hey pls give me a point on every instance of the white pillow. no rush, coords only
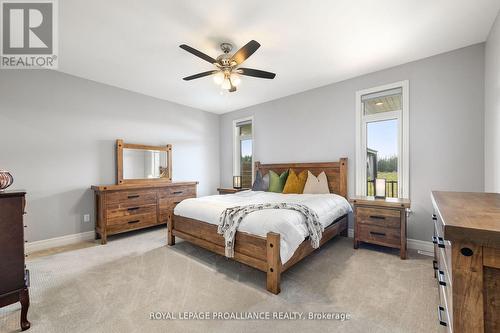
(316, 185)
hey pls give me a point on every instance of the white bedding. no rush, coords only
(288, 223)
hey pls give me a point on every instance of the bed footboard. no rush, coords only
(255, 251)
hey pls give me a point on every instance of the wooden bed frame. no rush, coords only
(259, 252)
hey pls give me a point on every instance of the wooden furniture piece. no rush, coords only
(263, 253)
(381, 222)
(14, 277)
(467, 260)
(137, 202)
(143, 164)
(230, 190)
(122, 208)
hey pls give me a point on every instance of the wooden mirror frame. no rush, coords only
(120, 145)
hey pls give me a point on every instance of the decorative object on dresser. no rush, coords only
(223, 190)
(381, 222)
(14, 277)
(144, 196)
(263, 253)
(467, 260)
(6, 179)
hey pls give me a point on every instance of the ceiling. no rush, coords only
(135, 44)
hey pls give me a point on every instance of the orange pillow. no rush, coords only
(295, 183)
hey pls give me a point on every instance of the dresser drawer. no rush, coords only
(166, 215)
(124, 213)
(443, 313)
(178, 191)
(167, 207)
(131, 222)
(442, 247)
(170, 197)
(389, 218)
(126, 199)
(379, 235)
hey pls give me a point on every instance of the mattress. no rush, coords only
(288, 223)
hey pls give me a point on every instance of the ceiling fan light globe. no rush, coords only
(219, 78)
(235, 79)
(226, 84)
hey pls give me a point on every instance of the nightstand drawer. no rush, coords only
(388, 218)
(379, 235)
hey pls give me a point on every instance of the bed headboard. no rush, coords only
(336, 172)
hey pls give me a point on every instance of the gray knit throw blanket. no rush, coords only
(231, 218)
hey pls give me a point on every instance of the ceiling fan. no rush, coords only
(228, 70)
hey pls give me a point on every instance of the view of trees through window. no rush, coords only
(382, 155)
(246, 154)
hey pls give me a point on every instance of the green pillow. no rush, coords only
(277, 182)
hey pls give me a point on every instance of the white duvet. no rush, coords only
(288, 223)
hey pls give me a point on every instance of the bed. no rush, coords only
(263, 240)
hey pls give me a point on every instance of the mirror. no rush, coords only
(141, 163)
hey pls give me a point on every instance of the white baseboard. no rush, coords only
(423, 247)
(58, 241)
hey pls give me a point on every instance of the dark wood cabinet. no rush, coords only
(14, 276)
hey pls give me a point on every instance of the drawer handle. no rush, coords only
(434, 265)
(377, 233)
(177, 192)
(133, 196)
(134, 221)
(133, 208)
(440, 316)
(377, 217)
(441, 278)
(439, 241)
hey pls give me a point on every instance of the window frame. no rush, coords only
(237, 146)
(403, 137)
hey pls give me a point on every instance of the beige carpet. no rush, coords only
(113, 288)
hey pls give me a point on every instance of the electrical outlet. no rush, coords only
(86, 218)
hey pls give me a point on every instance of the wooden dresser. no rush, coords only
(380, 221)
(122, 208)
(14, 277)
(467, 260)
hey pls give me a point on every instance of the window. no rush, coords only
(382, 139)
(243, 151)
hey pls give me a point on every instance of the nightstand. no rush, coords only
(231, 190)
(381, 222)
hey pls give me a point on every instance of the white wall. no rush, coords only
(446, 127)
(57, 137)
(492, 110)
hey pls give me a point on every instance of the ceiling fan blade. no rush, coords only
(197, 76)
(256, 73)
(245, 52)
(197, 53)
